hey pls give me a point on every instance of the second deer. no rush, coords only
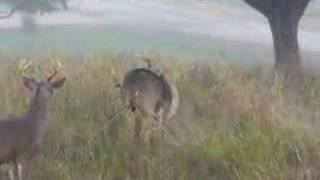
(148, 94)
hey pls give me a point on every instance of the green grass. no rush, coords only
(234, 122)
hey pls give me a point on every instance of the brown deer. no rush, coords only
(19, 135)
(148, 94)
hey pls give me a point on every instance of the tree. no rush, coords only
(32, 6)
(28, 8)
(284, 17)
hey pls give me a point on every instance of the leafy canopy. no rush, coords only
(32, 6)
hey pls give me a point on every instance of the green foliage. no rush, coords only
(34, 6)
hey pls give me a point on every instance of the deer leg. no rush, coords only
(159, 111)
(137, 128)
(161, 124)
(160, 115)
(23, 169)
(13, 172)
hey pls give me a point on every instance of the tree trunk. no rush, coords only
(284, 17)
(284, 30)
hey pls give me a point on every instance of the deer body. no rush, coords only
(19, 135)
(148, 94)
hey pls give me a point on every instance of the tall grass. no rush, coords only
(233, 123)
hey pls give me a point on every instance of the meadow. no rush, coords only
(235, 121)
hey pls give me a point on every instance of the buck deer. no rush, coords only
(19, 135)
(147, 94)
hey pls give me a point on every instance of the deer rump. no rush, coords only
(146, 93)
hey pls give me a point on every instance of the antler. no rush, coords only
(23, 66)
(56, 70)
(53, 75)
(148, 62)
(146, 59)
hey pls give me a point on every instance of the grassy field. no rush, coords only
(234, 122)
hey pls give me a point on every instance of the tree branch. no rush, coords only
(12, 11)
(64, 4)
(302, 4)
(263, 6)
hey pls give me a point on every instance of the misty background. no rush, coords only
(208, 29)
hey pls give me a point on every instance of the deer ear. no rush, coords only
(29, 83)
(58, 83)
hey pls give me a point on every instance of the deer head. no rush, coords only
(45, 87)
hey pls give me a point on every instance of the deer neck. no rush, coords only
(38, 109)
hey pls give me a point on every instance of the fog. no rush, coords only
(234, 21)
